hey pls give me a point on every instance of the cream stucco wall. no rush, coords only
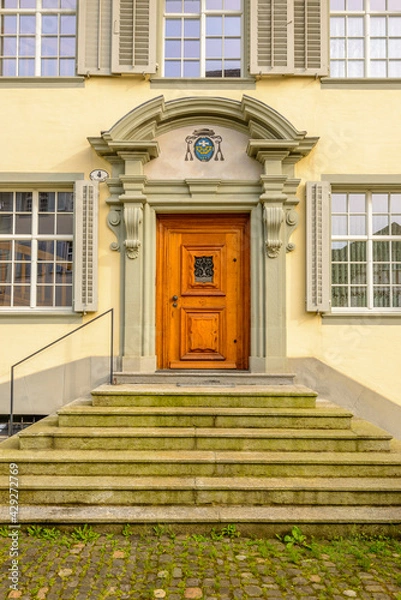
(45, 129)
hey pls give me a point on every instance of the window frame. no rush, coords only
(319, 241)
(202, 15)
(38, 11)
(366, 14)
(84, 237)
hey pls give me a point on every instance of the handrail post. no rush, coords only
(111, 345)
(110, 310)
(11, 421)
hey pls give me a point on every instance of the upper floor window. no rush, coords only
(365, 38)
(203, 38)
(37, 38)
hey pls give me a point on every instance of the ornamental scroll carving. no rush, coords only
(133, 219)
(273, 218)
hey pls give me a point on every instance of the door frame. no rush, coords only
(189, 222)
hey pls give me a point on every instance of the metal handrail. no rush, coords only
(111, 311)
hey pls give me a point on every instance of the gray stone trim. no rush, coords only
(39, 179)
(344, 391)
(42, 82)
(344, 318)
(363, 181)
(206, 83)
(343, 83)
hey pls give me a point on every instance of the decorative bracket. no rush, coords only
(113, 221)
(273, 218)
(133, 219)
(291, 220)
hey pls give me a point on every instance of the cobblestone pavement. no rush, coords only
(82, 565)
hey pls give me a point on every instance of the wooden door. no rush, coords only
(203, 292)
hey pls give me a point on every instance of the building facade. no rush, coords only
(222, 173)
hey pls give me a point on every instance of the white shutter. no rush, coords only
(134, 36)
(318, 246)
(311, 37)
(269, 25)
(94, 37)
(85, 246)
(288, 37)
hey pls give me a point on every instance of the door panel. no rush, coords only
(203, 297)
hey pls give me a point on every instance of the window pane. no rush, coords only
(396, 251)
(380, 225)
(50, 3)
(378, 27)
(379, 202)
(394, 26)
(339, 251)
(381, 297)
(67, 24)
(381, 273)
(214, 48)
(337, 26)
(191, 6)
(47, 201)
(356, 69)
(27, 24)
(357, 203)
(5, 250)
(173, 6)
(22, 295)
(232, 48)
(355, 4)
(337, 5)
(232, 68)
(6, 202)
(339, 273)
(378, 69)
(192, 28)
(381, 251)
(63, 296)
(67, 68)
(214, 68)
(49, 24)
(10, 46)
(358, 251)
(355, 26)
(45, 251)
(358, 273)
(27, 3)
(378, 48)
(339, 296)
(337, 48)
(26, 67)
(357, 225)
(26, 46)
(67, 46)
(65, 202)
(46, 224)
(232, 4)
(394, 6)
(394, 48)
(339, 225)
(23, 224)
(44, 296)
(214, 25)
(173, 27)
(397, 297)
(49, 46)
(172, 69)
(9, 24)
(232, 26)
(337, 68)
(191, 48)
(394, 68)
(355, 48)
(378, 5)
(173, 49)
(214, 4)
(191, 69)
(339, 202)
(358, 296)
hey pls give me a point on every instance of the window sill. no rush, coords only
(42, 82)
(210, 83)
(25, 317)
(362, 318)
(338, 83)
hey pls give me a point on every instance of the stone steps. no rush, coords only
(203, 463)
(206, 490)
(361, 438)
(182, 447)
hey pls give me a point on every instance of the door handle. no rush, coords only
(175, 298)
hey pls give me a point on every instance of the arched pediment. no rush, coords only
(139, 129)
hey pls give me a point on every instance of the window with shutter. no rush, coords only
(288, 37)
(85, 255)
(117, 36)
(353, 249)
